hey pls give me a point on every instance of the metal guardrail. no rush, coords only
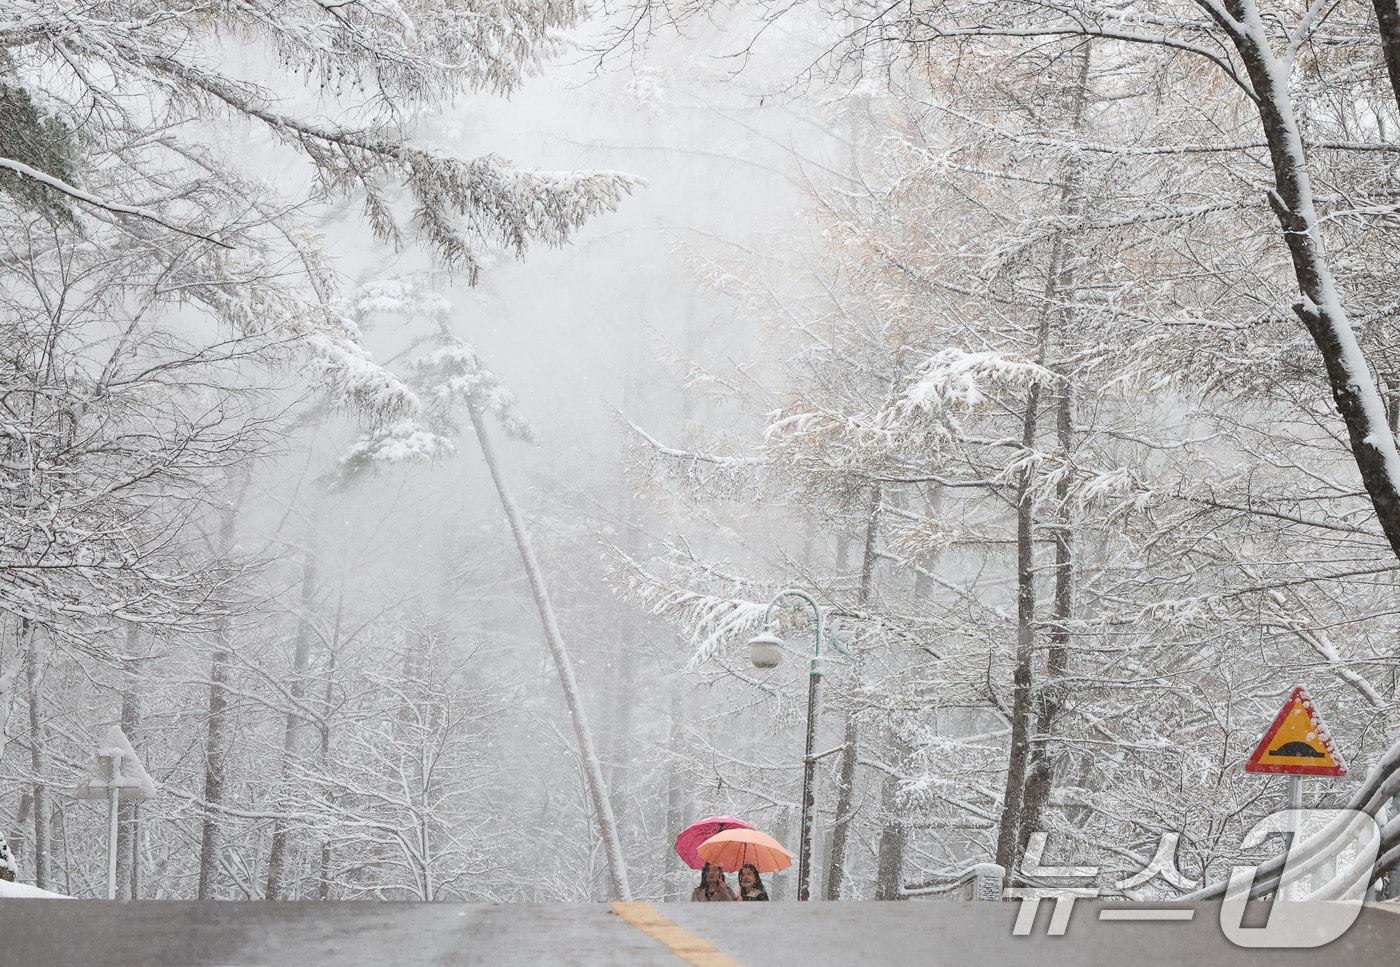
(985, 881)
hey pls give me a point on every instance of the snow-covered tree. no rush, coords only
(451, 377)
(125, 115)
(8, 870)
(401, 803)
(969, 274)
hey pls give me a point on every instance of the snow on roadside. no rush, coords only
(27, 892)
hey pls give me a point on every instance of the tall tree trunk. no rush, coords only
(34, 665)
(1008, 830)
(1050, 695)
(8, 676)
(128, 853)
(218, 724)
(677, 884)
(923, 574)
(1048, 698)
(626, 661)
(894, 836)
(593, 771)
(845, 801)
(19, 839)
(894, 831)
(427, 884)
(846, 784)
(1013, 828)
(216, 740)
(324, 887)
(1388, 22)
(1353, 387)
(294, 724)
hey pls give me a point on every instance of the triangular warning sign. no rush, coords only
(1297, 743)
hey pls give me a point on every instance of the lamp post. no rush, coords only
(765, 650)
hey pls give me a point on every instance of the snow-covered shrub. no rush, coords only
(8, 869)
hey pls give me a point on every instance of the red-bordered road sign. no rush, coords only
(1297, 743)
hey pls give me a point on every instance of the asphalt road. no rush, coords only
(60, 933)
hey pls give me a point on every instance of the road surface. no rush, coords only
(88, 933)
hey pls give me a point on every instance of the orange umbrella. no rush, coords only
(733, 848)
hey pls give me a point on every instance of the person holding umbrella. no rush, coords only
(712, 886)
(748, 851)
(751, 884)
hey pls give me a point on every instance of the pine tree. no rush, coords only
(340, 88)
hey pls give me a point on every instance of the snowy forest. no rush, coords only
(412, 407)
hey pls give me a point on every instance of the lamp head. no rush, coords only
(765, 650)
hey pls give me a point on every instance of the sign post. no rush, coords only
(118, 776)
(113, 791)
(1297, 744)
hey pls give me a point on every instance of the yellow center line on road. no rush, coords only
(686, 946)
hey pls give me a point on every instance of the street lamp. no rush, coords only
(765, 650)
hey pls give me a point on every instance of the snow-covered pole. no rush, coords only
(597, 786)
(1295, 803)
(113, 756)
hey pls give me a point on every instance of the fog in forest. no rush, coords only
(411, 514)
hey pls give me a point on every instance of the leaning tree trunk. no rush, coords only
(593, 771)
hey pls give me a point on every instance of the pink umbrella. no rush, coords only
(690, 838)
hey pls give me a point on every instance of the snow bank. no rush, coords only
(27, 892)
